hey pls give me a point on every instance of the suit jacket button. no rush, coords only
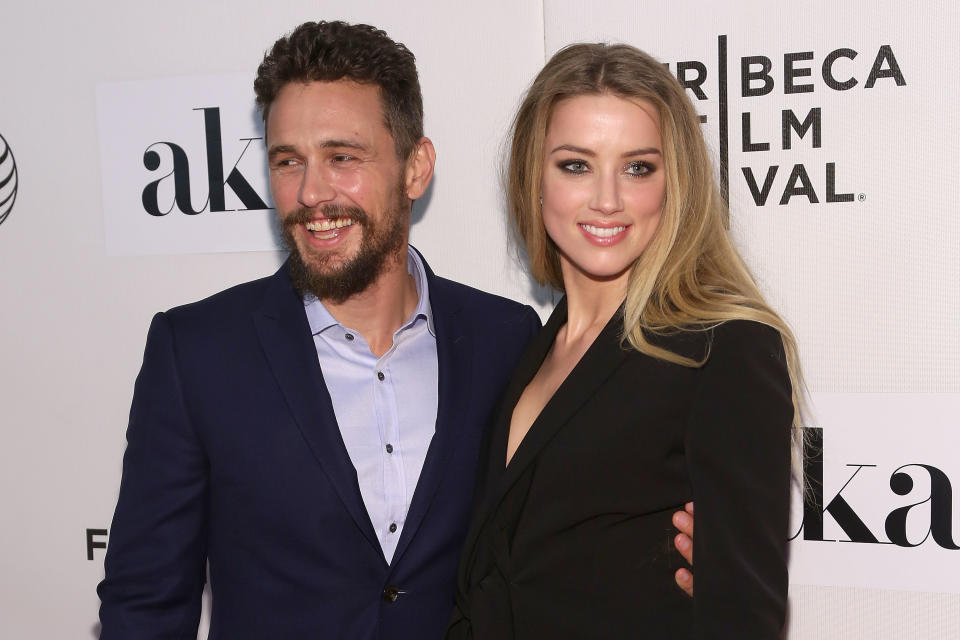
(391, 593)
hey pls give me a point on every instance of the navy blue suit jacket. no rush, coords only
(234, 457)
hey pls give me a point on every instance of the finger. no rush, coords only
(684, 522)
(684, 580)
(685, 546)
(689, 507)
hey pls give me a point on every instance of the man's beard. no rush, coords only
(380, 242)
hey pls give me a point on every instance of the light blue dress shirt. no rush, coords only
(386, 407)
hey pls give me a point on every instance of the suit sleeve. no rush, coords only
(738, 454)
(533, 323)
(155, 566)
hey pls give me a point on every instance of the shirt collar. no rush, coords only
(321, 320)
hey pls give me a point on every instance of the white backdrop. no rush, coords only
(869, 285)
(868, 281)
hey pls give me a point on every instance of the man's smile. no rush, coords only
(326, 228)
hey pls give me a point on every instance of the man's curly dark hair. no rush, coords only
(331, 51)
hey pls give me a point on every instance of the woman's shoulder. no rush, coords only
(738, 339)
(701, 336)
(748, 336)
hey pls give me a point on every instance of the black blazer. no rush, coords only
(574, 538)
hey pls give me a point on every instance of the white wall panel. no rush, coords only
(75, 317)
(870, 286)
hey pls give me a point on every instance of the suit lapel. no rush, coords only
(529, 364)
(286, 339)
(492, 474)
(599, 362)
(455, 350)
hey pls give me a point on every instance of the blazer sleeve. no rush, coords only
(155, 566)
(533, 323)
(738, 454)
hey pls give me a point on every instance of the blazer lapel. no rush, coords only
(285, 336)
(492, 474)
(454, 366)
(529, 364)
(599, 362)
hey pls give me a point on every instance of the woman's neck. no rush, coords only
(591, 303)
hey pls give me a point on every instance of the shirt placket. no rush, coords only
(388, 424)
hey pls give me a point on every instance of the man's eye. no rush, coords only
(343, 157)
(574, 166)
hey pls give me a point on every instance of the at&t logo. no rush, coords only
(8, 179)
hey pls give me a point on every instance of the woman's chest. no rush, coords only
(622, 449)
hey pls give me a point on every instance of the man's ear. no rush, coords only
(419, 169)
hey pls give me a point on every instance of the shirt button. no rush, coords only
(389, 448)
(380, 375)
(393, 527)
(349, 336)
(391, 593)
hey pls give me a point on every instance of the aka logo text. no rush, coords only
(934, 511)
(180, 175)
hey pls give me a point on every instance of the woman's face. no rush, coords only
(603, 184)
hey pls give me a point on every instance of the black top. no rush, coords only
(574, 538)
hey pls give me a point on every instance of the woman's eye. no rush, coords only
(574, 166)
(639, 168)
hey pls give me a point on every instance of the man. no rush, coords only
(314, 435)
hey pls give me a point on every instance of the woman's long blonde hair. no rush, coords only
(690, 276)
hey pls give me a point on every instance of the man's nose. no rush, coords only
(316, 187)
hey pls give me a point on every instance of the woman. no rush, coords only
(661, 377)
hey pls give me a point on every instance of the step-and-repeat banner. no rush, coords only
(132, 179)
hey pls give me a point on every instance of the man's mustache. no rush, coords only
(330, 211)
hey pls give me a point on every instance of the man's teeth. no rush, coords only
(602, 232)
(328, 224)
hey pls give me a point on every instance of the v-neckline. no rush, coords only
(601, 359)
(538, 356)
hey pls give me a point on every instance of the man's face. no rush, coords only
(338, 186)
